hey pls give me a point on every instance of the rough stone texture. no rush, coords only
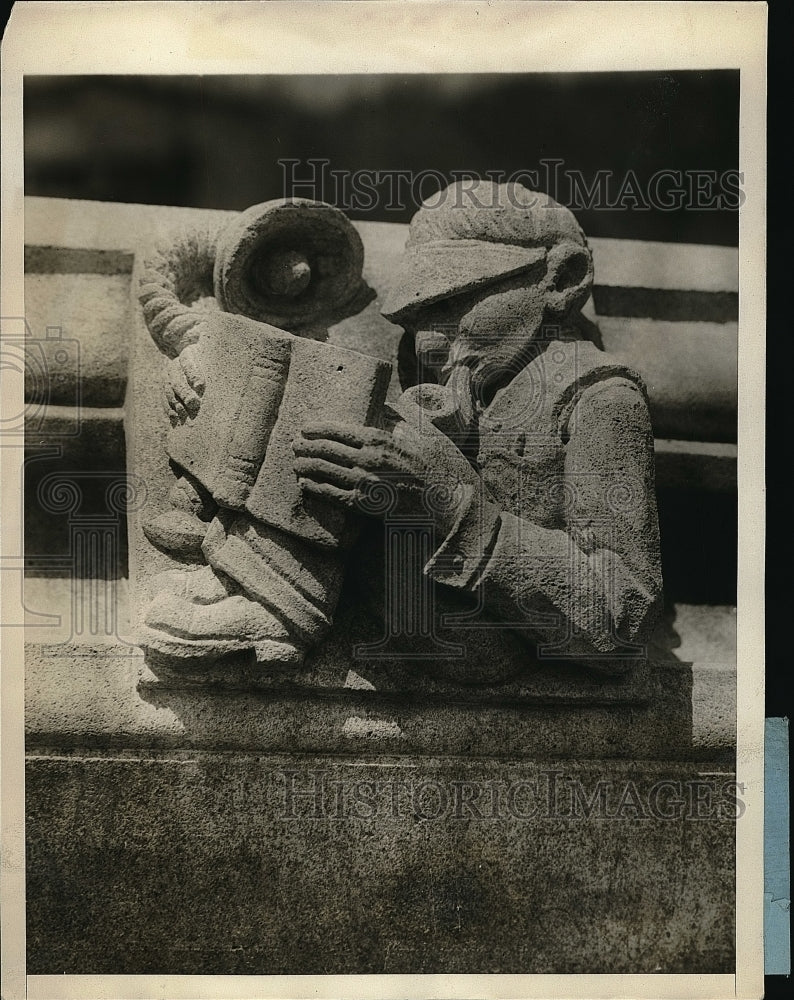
(82, 688)
(295, 265)
(80, 327)
(713, 706)
(637, 264)
(249, 389)
(701, 633)
(157, 835)
(712, 274)
(213, 864)
(261, 386)
(95, 436)
(52, 603)
(80, 255)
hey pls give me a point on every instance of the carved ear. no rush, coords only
(569, 277)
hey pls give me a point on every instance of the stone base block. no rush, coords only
(201, 862)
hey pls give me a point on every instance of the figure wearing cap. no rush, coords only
(549, 537)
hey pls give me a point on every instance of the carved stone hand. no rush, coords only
(183, 385)
(378, 472)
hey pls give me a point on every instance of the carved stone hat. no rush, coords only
(472, 234)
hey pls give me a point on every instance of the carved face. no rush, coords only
(491, 330)
(488, 331)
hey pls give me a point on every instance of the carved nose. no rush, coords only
(284, 272)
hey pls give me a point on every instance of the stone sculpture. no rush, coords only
(237, 392)
(520, 453)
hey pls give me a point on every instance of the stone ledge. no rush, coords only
(692, 378)
(113, 226)
(700, 465)
(93, 689)
(64, 425)
(690, 369)
(80, 324)
(197, 863)
(101, 695)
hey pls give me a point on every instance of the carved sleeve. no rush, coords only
(591, 588)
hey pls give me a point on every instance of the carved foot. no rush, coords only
(197, 616)
(181, 530)
(199, 586)
(177, 532)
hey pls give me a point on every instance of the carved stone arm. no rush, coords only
(592, 588)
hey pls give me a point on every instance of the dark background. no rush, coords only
(215, 141)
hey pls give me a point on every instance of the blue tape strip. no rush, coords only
(777, 876)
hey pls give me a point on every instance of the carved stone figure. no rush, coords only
(519, 460)
(237, 392)
(551, 528)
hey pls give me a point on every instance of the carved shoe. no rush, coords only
(181, 529)
(182, 623)
(199, 586)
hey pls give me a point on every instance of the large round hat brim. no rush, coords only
(430, 272)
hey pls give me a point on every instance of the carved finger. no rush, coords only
(354, 435)
(190, 400)
(390, 461)
(178, 392)
(168, 411)
(372, 458)
(329, 492)
(341, 454)
(192, 368)
(173, 401)
(318, 470)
